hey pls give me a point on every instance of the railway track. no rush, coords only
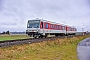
(27, 41)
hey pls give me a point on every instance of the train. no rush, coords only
(39, 28)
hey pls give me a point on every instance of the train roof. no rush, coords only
(46, 21)
(51, 22)
(70, 26)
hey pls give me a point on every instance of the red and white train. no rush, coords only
(42, 28)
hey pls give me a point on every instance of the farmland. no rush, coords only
(12, 37)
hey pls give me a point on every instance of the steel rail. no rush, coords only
(8, 43)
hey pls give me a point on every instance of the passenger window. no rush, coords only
(63, 28)
(51, 26)
(46, 26)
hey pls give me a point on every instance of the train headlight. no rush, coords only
(37, 30)
(26, 30)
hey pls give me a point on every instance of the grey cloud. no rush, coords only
(64, 22)
(24, 8)
(56, 10)
(8, 23)
(88, 1)
(1, 2)
(37, 7)
(13, 29)
(85, 26)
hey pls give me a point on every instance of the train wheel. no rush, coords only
(45, 36)
(35, 36)
(41, 36)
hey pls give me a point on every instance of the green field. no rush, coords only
(59, 49)
(12, 37)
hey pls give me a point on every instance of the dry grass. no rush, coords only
(59, 49)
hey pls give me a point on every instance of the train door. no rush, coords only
(42, 27)
(66, 28)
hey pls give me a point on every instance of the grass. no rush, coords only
(59, 49)
(12, 37)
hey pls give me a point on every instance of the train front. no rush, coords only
(33, 27)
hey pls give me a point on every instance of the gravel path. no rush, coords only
(83, 49)
(25, 41)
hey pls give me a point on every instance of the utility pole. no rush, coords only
(82, 31)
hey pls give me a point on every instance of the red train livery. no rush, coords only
(42, 28)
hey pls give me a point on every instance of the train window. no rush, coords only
(63, 28)
(51, 26)
(30, 25)
(59, 27)
(72, 29)
(68, 29)
(27, 25)
(46, 26)
(55, 26)
(36, 25)
(33, 25)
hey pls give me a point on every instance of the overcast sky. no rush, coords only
(14, 14)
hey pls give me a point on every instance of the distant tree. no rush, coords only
(3, 32)
(7, 32)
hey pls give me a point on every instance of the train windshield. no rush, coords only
(33, 24)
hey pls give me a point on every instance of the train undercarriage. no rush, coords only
(40, 35)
